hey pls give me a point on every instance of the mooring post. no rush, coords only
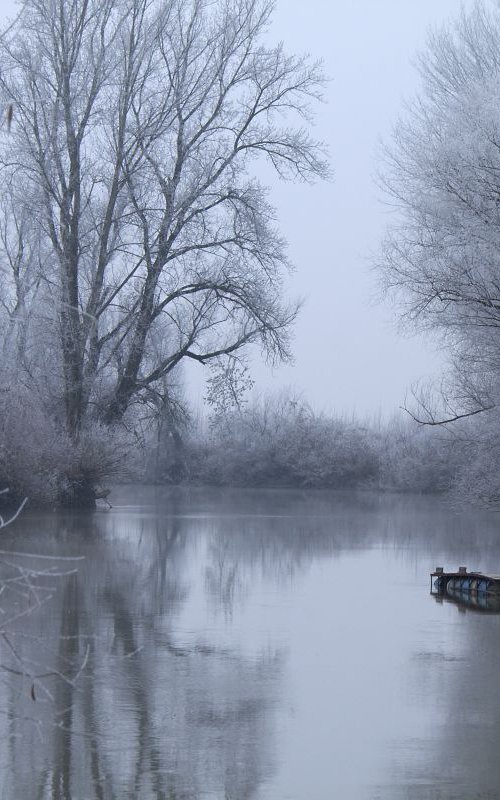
(438, 572)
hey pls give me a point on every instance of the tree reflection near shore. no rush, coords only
(152, 714)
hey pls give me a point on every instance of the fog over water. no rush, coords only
(266, 644)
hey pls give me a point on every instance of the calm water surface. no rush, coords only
(233, 645)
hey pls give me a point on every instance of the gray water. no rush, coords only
(231, 645)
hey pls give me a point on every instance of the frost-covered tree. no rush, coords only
(134, 230)
(442, 254)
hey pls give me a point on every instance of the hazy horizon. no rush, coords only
(349, 354)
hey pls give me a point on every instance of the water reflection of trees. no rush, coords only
(157, 712)
(150, 716)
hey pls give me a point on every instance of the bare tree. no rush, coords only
(136, 126)
(442, 254)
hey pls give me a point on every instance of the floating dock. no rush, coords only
(474, 590)
(443, 582)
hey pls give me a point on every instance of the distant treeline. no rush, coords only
(275, 441)
(282, 442)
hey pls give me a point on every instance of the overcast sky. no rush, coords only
(349, 355)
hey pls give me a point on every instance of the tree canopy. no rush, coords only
(133, 229)
(442, 253)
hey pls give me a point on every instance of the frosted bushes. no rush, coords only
(416, 458)
(31, 449)
(282, 442)
(478, 480)
(39, 460)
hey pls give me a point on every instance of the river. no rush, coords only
(227, 645)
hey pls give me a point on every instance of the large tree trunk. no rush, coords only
(73, 373)
(127, 382)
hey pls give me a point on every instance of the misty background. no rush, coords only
(350, 354)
